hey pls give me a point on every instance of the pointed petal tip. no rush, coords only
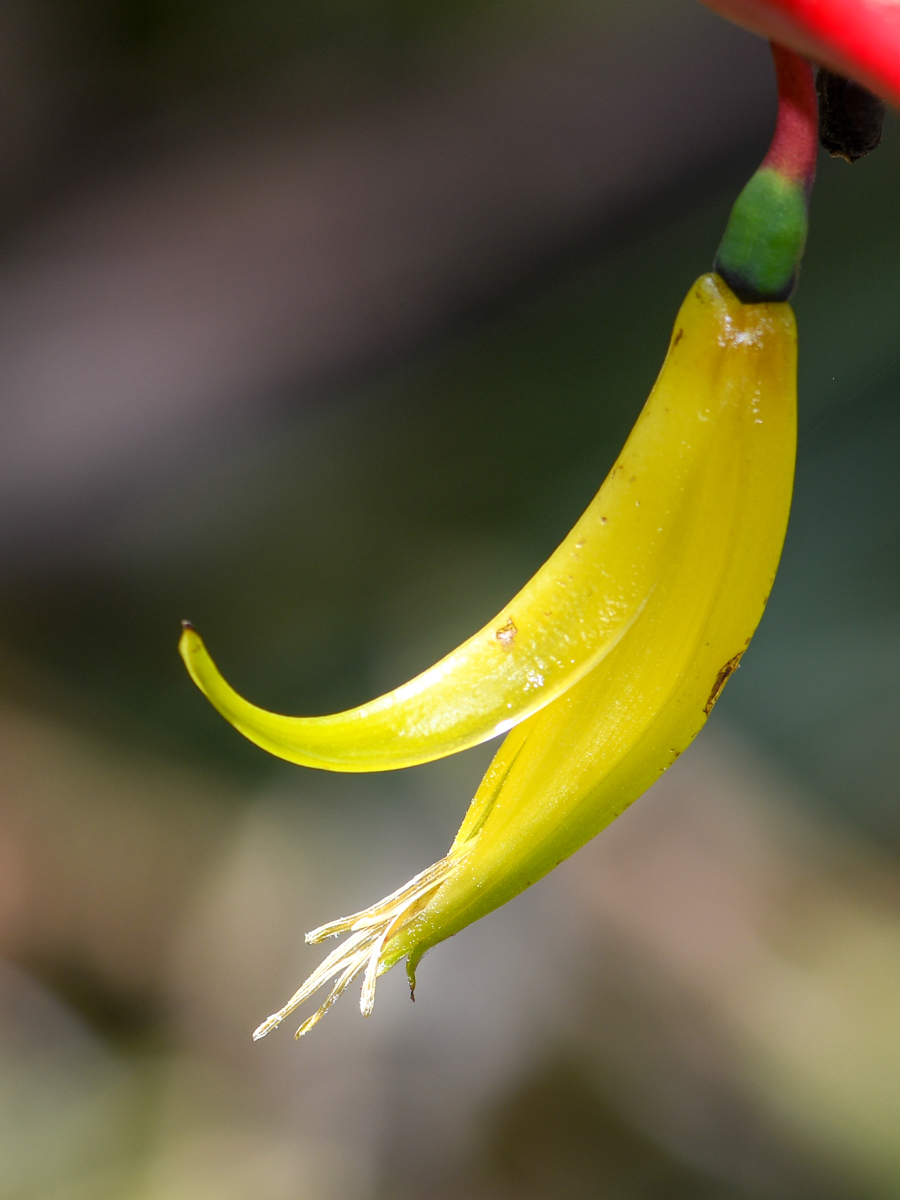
(189, 643)
(189, 637)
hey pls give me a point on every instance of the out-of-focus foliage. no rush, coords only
(153, 51)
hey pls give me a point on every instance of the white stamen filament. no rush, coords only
(370, 930)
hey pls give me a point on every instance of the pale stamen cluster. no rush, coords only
(370, 931)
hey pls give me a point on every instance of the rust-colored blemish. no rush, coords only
(677, 338)
(506, 634)
(721, 679)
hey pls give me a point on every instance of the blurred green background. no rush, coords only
(319, 325)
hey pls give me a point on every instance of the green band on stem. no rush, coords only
(759, 255)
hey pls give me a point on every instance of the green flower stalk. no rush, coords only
(759, 256)
(608, 663)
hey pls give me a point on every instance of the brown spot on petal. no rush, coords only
(506, 634)
(721, 679)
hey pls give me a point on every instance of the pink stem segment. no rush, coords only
(795, 143)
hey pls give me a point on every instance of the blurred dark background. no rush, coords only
(319, 324)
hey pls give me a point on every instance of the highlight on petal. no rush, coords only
(857, 38)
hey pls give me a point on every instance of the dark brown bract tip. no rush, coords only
(851, 117)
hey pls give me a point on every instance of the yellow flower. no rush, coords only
(608, 662)
(725, 401)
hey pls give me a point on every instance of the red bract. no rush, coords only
(858, 38)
